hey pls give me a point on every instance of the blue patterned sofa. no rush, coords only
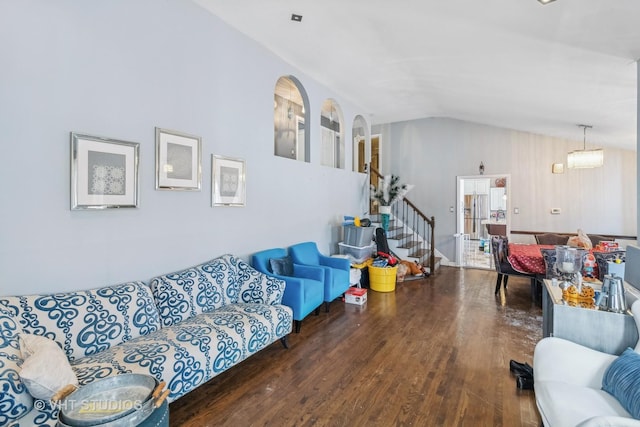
(184, 328)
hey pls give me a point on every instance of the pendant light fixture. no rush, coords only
(582, 159)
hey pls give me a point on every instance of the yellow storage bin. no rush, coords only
(382, 279)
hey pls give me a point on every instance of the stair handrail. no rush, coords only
(430, 221)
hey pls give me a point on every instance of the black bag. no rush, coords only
(381, 241)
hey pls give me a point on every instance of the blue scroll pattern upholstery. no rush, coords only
(88, 322)
(15, 400)
(211, 285)
(185, 329)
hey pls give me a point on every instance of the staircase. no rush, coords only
(411, 233)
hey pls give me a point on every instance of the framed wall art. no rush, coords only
(178, 160)
(227, 181)
(104, 173)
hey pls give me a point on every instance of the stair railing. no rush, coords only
(415, 228)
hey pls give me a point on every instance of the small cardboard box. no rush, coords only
(356, 296)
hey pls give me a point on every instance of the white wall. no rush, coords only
(118, 69)
(430, 153)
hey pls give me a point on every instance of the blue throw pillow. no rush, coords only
(282, 266)
(622, 381)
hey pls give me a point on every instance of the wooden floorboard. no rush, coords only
(433, 353)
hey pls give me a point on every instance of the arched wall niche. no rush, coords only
(290, 120)
(361, 137)
(332, 150)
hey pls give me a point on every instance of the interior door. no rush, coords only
(362, 146)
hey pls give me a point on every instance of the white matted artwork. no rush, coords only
(227, 181)
(178, 160)
(104, 173)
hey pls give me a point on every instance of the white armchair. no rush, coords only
(568, 384)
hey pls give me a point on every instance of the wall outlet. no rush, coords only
(556, 211)
(516, 210)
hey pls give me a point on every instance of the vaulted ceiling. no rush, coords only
(514, 64)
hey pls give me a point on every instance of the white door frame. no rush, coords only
(460, 211)
(301, 151)
(356, 151)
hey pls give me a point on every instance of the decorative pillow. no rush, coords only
(282, 266)
(45, 369)
(622, 381)
(15, 400)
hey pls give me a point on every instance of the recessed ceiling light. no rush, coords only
(546, 1)
(297, 18)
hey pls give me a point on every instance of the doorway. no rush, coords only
(375, 164)
(482, 200)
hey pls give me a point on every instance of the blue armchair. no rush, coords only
(304, 291)
(336, 270)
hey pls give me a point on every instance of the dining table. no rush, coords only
(527, 258)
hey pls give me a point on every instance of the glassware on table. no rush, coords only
(569, 264)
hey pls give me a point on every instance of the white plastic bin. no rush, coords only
(357, 254)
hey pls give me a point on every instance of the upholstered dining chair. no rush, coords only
(500, 248)
(597, 238)
(603, 259)
(304, 291)
(549, 256)
(336, 270)
(551, 239)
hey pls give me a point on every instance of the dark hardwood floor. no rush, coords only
(433, 353)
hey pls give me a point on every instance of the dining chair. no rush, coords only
(551, 239)
(603, 259)
(500, 249)
(549, 256)
(597, 238)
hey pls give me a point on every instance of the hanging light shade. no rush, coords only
(582, 159)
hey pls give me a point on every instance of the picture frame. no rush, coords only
(228, 181)
(104, 172)
(178, 161)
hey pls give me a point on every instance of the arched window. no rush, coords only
(332, 150)
(290, 110)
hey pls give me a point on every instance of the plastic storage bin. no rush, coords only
(382, 279)
(356, 255)
(358, 236)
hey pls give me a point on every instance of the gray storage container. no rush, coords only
(358, 236)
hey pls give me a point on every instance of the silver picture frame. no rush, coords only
(228, 181)
(178, 161)
(104, 172)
